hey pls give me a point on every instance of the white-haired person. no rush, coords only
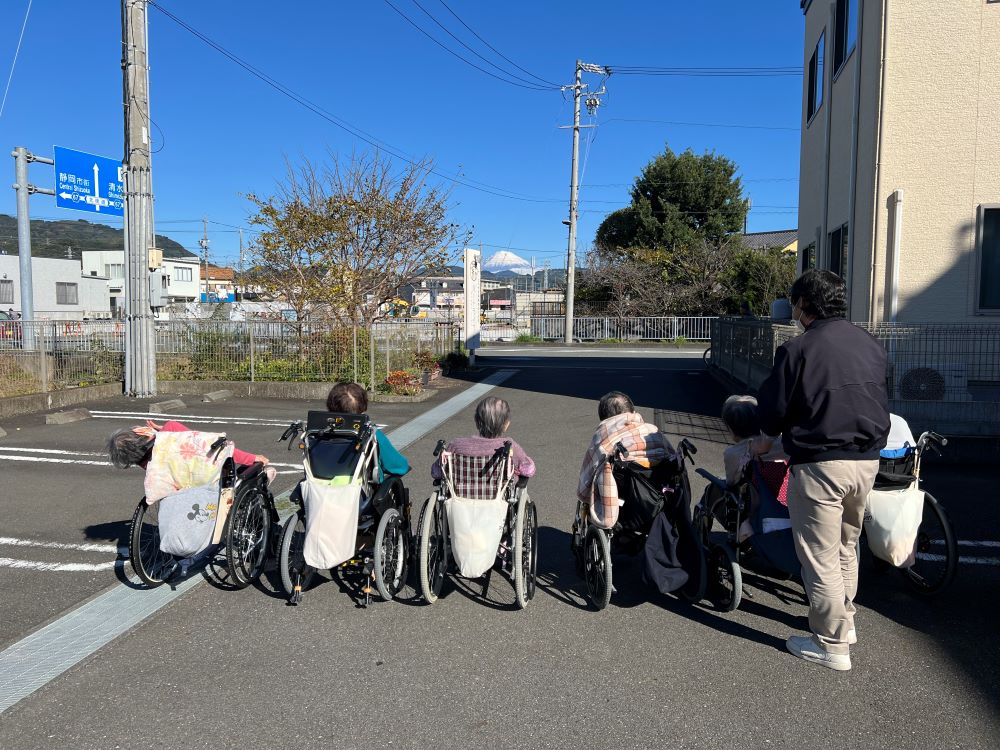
(492, 422)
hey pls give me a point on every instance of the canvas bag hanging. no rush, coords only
(892, 519)
(187, 520)
(331, 519)
(476, 527)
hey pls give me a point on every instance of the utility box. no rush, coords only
(157, 289)
(155, 258)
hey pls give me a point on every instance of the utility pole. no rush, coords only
(203, 243)
(545, 276)
(239, 296)
(140, 342)
(593, 102)
(22, 158)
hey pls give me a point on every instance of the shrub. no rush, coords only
(401, 383)
(527, 338)
(680, 341)
(425, 360)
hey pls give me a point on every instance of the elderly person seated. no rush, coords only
(492, 422)
(133, 446)
(741, 418)
(351, 398)
(646, 446)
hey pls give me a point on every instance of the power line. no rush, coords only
(487, 61)
(543, 80)
(738, 126)
(343, 124)
(733, 72)
(17, 51)
(450, 51)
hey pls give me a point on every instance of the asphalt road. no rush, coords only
(223, 669)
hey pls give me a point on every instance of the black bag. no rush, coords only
(895, 473)
(642, 491)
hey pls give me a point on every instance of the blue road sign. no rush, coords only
(87, 182)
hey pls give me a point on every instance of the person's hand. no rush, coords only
(148, 430)
(262, 460)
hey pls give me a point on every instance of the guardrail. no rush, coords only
(665, 328)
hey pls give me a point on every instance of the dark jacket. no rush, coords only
(827, 394)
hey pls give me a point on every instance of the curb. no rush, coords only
(67, 417)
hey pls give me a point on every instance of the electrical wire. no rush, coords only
(13, 63)
(733, 72)
(498, 52)
(343, 124)
(703, 124)
(487, 61)
(449, 50)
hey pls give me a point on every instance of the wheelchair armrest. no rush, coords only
(243, 473)
(720, 483)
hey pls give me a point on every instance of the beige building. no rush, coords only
(900, 155)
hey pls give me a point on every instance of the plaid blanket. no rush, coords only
(182, 461)
(646, 447)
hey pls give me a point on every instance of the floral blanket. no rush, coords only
(646, 447)
(182, 461)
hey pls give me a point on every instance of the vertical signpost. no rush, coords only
(473, 283)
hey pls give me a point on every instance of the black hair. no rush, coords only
(128, 448)
(614, 403)
(349, 398)
(822, 294)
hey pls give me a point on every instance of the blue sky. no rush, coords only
(222, 133)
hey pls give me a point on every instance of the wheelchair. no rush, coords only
(348, 517)
(645, 492)
(478, 519)
(247, 509)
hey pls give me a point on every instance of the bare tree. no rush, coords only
(338, 240)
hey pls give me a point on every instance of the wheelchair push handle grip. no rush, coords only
(438, 448)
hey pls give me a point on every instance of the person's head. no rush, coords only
(492, 417)
(614, 403)
(740, 415)
(817, 295)
(127, 448)
(349, 398)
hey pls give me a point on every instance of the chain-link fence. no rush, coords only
(941, 376)
(41, 356)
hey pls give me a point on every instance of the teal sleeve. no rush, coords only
(390, 460)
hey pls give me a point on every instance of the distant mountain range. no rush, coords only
(59, 239)
(505, 261)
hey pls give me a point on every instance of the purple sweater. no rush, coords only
(480, 446)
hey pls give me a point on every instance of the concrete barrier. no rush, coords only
(218, 395)
(67, 417)
(165, 406)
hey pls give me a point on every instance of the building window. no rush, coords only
(165, 282)
(66, 294)
(114, 270)
(809, 256)
(183, 274)
(988, 250)
(838, 251)
(814, 99)
(846, 32)
(6, 292)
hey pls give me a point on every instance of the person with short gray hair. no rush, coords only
(614, 403)
(133, 446)
(492, 419)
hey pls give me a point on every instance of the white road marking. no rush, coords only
(199, 420)
(178, 417)
(10, 541)
(9, 562)
(4, 449)
(45, 460)
(962, 560)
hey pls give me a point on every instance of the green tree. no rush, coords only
(758, 277)
(677, 201)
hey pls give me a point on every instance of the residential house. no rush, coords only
(220, 284)
(59, 290)
(785, 239)
(181, 277)
(900, 155)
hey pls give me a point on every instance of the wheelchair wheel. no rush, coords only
(937, 551)
(391, 554)
(247, 535)
(525, 551)
(597, 566)
(433, 548)
(149, 563)
(291, 559)
(725, 579)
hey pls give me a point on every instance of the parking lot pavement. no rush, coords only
(66, 510)
(224, 669)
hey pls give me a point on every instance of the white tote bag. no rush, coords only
(331, 521)
(476, 527)
(892, 518)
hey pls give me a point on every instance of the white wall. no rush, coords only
(92, 293)
(178, 290)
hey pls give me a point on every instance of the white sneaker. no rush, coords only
(804, 647)
(852, 637)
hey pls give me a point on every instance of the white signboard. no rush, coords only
(473, 277)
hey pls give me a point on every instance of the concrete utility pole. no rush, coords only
(593, 102)
(140, 342)
(203, 244)
(545, 276)
(22, 158)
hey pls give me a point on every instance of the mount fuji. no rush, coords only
(505, 260)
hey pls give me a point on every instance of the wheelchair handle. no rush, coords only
(705, 474)
(438, 448)
(688, 449)
(522, 482)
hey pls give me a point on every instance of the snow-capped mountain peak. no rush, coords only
(505, 260)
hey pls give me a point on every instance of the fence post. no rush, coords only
(673, 327)
(371, 358)
(354, 352)
(250, 323)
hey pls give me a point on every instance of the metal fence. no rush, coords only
(941, 376)
(666, 328)
(53, 355)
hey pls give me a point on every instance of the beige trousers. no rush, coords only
(826, 501)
